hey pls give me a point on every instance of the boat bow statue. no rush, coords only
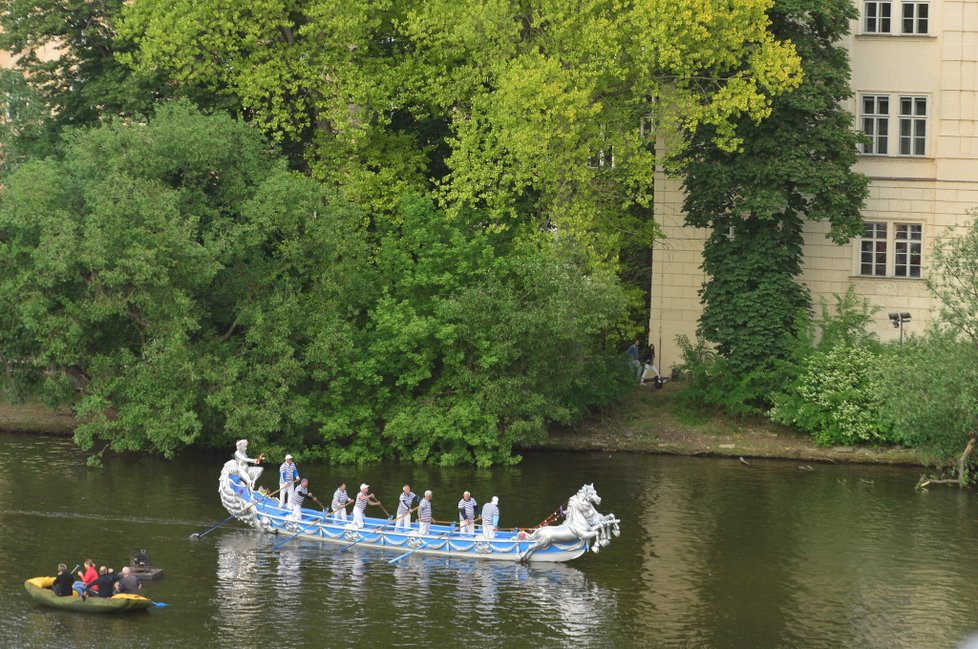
(583, 528)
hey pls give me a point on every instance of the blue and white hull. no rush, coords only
(584, 528)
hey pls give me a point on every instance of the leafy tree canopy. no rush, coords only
(193, 290)
(793, 166)
(67, 73)
(498, 104)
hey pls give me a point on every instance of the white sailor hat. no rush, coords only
(288, 456)
(364, 486)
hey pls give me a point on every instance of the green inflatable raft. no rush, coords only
(40, 589)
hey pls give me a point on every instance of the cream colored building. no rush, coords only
(915, 84)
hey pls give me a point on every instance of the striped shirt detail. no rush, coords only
(466, 508)
(298, 496)
(361, 502)
(404, 502)
(339, 499)
(424, 511)
(288, 472)
(489, 514)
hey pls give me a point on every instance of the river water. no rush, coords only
(712, 554)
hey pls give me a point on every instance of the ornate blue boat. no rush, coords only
(583, 527)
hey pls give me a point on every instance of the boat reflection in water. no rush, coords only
(406, 602)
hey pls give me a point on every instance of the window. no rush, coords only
(646, 126)
(906, 261)
(603, 158)
(876, 123)
(910, 125)
(872, 250)
(877, 16)
(875, 259)
(913, 125)
(915, 16)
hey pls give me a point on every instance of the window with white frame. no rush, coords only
(872, 250)
(910, 124)
(891, 250)
(876, 123)
(908, 240)
(915, 17)
(912, 17)
(876, 16)
(913, 126)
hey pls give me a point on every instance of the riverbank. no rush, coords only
(34, 417)
(646, 421)
(650, 421)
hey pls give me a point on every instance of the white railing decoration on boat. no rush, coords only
(583, 528)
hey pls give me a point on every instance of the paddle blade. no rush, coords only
(160, 604)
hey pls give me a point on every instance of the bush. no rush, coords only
(837, 397)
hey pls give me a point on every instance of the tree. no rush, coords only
(932, 388)
(532, 111)
(162, 270)
(192, 290)
(65, 53)
(795, 165)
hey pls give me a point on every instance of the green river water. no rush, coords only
(713, 554)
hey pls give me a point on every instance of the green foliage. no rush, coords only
(712, 384)
(837, 398)
(953, 277)
(930, 394)
(794, 165)
(531, 111)
(195, 291)
(478, 340)
(67, 73)
(932, 389)
(831, 380)
(152, 266)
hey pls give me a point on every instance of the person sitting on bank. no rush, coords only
(128, 584)
(106, 581)
(62, 583)
(87, 579)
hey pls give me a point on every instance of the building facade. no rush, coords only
(915, 96)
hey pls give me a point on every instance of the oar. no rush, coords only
(301, 531)
(160, 604)
(423, 545)
(197, 535)
(363, 536)
(316, 500)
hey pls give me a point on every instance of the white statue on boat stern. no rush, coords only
(239, 466)
(582, 523)
(248, 474)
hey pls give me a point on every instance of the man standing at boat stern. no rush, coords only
(404, 502)
(466, 513)
(490, 518)
(288, 473)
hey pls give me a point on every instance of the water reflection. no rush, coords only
(406, 601)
